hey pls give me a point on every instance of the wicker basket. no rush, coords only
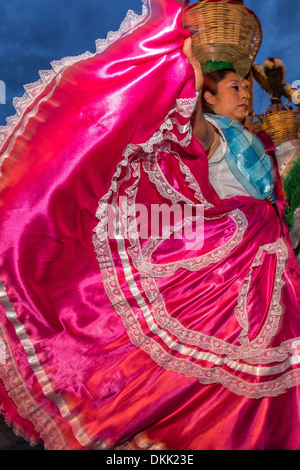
(281, 127)
(224, 30)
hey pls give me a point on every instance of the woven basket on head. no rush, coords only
(281, 127)
(224, 30)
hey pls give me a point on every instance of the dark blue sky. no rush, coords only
(35, 32)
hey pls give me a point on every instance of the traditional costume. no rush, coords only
(113, 340)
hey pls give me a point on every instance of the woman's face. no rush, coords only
(232, 97)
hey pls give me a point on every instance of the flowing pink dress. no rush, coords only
(114, 340)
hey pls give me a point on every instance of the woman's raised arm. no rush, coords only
(202, 129)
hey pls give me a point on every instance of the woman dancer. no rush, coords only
(114, 337)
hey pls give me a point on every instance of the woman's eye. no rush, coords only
(235, 87)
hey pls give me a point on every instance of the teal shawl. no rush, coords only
(246, 158)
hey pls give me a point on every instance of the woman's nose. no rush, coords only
(245, 94)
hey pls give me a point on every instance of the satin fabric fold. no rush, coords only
(114, 341)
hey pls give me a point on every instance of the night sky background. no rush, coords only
(35, 32)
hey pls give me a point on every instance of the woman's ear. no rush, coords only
(209, 97)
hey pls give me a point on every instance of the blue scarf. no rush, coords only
(247, 159)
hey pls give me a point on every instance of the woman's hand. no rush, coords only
(188, 52)
(202, 129)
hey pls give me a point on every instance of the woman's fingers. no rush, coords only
(187, 48)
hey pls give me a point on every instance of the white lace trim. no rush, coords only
(275, 310)
(156, 176)
(254, 352)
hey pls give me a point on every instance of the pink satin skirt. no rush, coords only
(138, 310)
